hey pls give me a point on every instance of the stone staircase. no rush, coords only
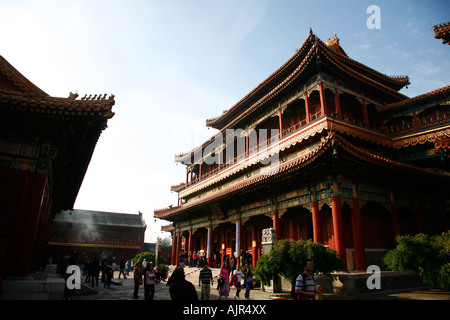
(40, 285)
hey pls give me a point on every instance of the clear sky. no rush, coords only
(172, 64)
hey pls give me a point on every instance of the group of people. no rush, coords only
(303, 287)
(192, 259)
(93, 267)
(227, 278)
(145, 274)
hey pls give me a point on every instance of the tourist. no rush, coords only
(248, 281)
(88, 270)
(305, 285)
(225, 275)
(236, 281)
(103, 269)
(95, 271)
(195, 257)
(149, 289)
(122, 269)
(157, 273)
(180, 288)
(127, 267)
(205, 281)
(233, 264)
(109, 274)
(137, 279)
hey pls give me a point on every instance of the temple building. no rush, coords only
(329, 150)
(88, 234)
(46, 144)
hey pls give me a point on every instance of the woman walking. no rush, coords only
(137, 279)
(150, 278)
(225, 275)
(248, 281)
(236, 281)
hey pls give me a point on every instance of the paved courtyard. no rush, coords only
(124, 291)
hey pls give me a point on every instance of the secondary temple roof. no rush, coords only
(101, 218)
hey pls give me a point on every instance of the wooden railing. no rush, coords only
(400, 129)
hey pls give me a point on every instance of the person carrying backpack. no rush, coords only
(305, 284)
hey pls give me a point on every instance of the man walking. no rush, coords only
(305, 285)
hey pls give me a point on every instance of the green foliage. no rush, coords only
(148, 256)
(428, 256)
(287, 257)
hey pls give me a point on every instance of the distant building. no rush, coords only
(85, 233)
(46, 144)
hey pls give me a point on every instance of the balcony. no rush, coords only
(420, 124)
(391, 131)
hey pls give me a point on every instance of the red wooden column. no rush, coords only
(174, 248)
(337, 103)
(238, 241)
(247, 139)
(276, 224)
(190, 248)
(254, 244)
(209, 253)
(365, 114)
(416, 121)
(317, 224)
(360, 256)
(280, 120)
(178, 245)
(336, 211)
(322, 99)
(308, 119)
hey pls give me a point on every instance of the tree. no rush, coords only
(287, 257)
(428, 256)
(164, 242)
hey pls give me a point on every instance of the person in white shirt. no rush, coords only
(149, 289)
(236, 281)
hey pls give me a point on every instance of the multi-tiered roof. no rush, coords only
(312, 58)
